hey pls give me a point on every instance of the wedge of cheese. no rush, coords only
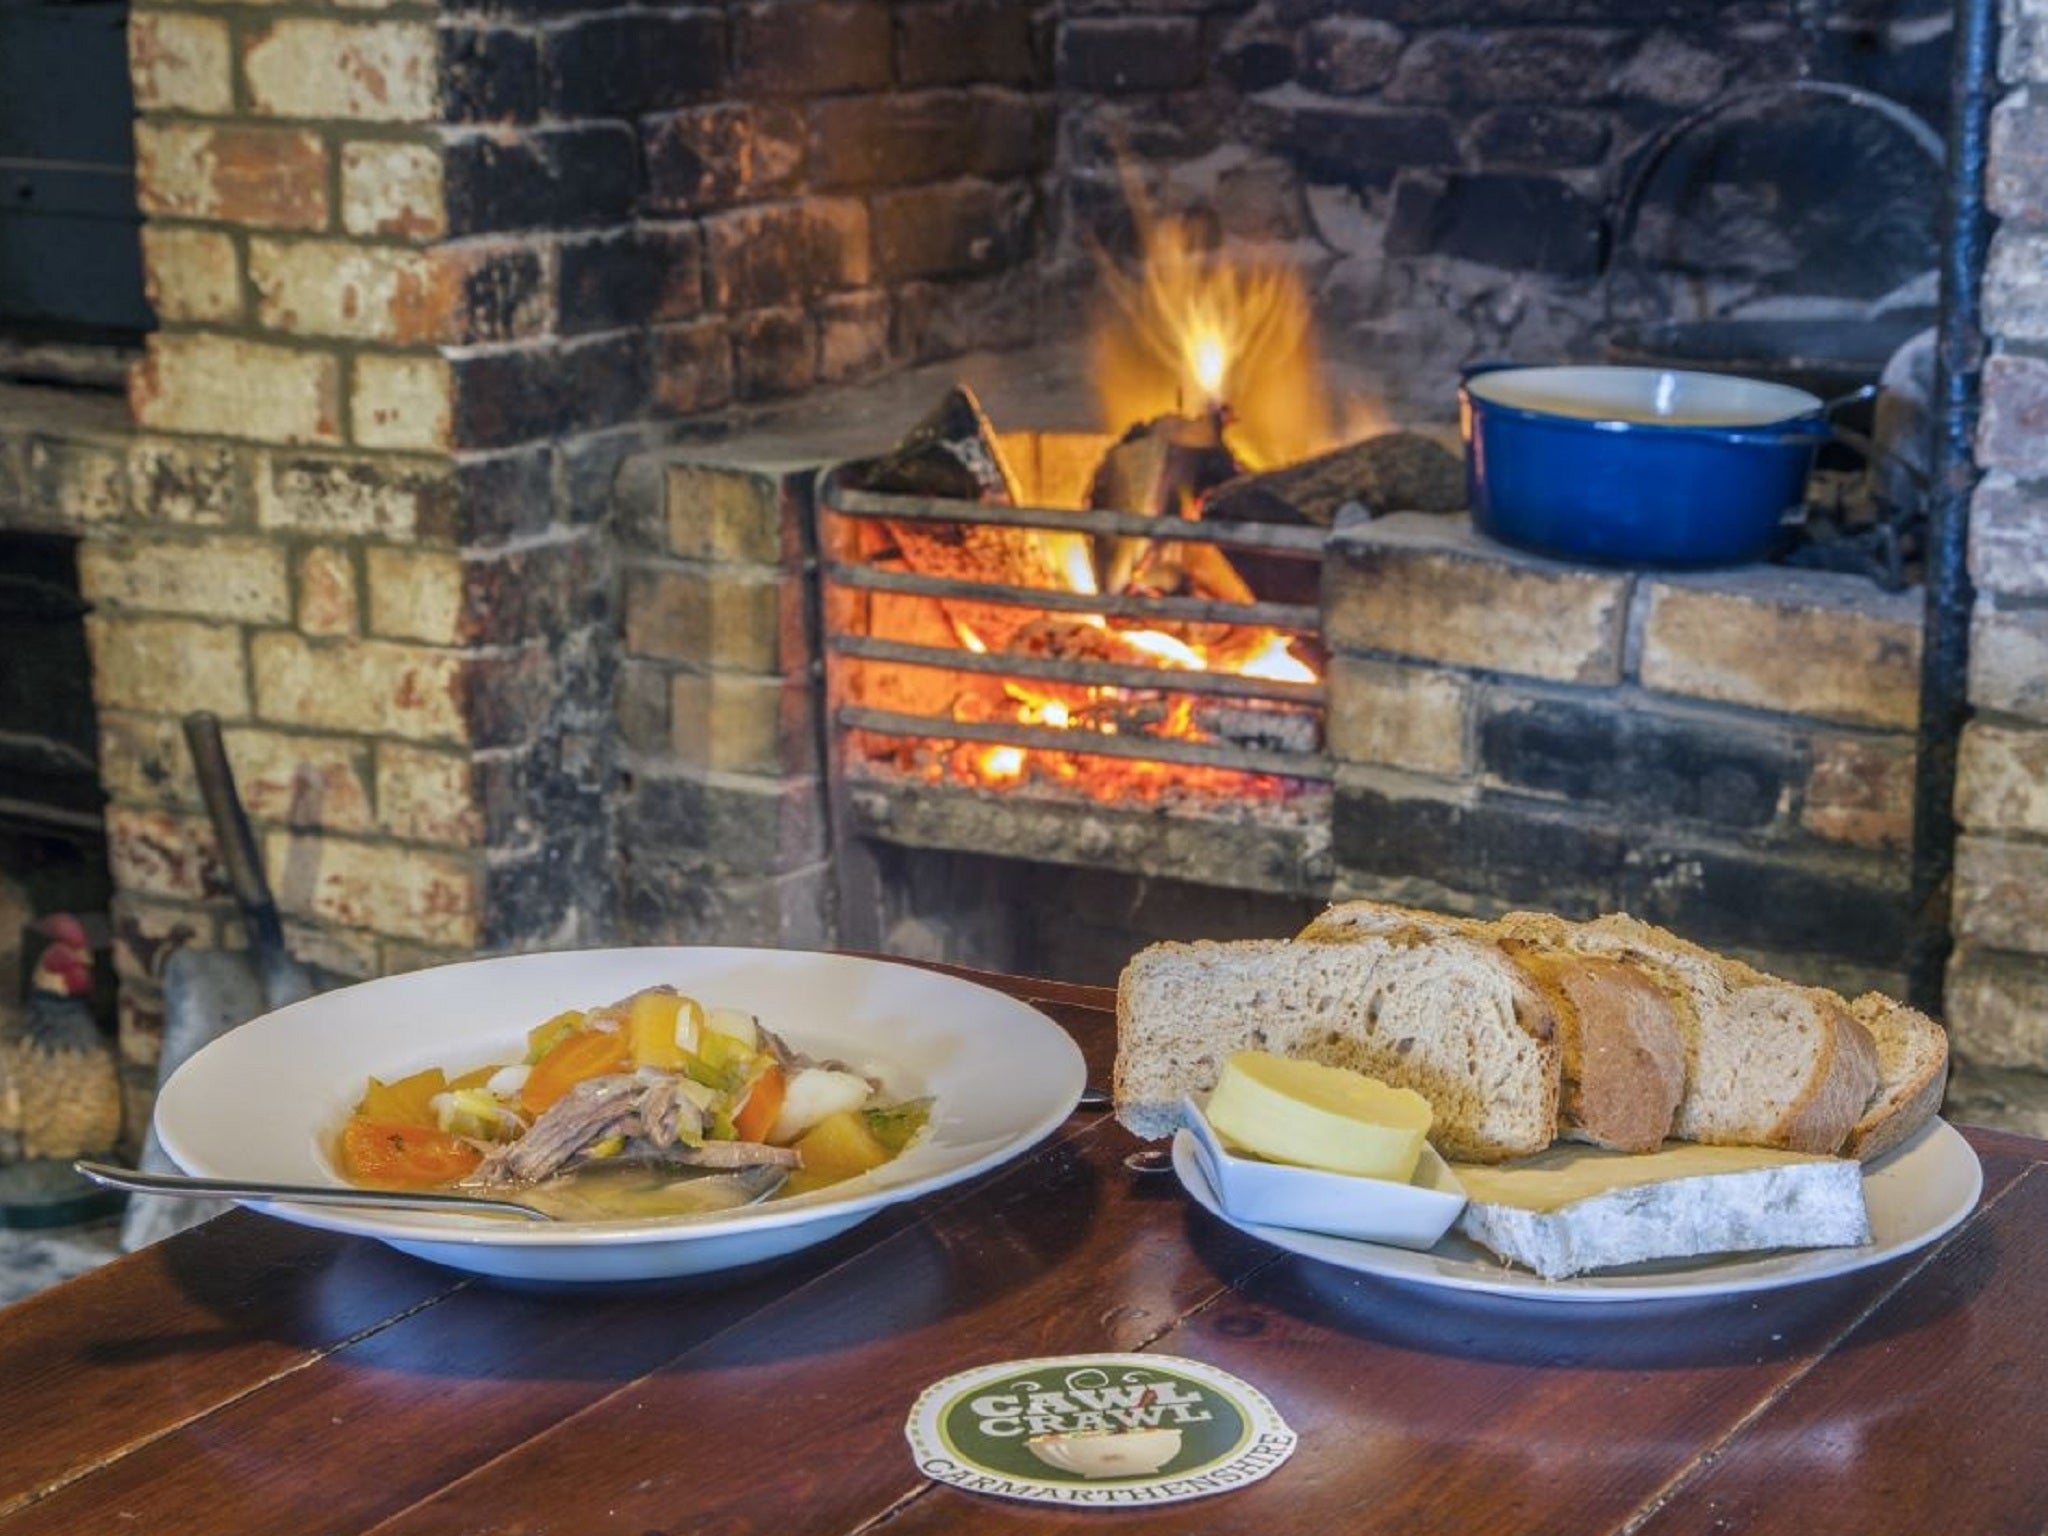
(1574, 1209)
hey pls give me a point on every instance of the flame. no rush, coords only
(1277, 664)
(1193, 328)
(1174, 653)
(1209, 362)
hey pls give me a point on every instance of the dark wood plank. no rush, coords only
(795, 1424)
(430, 1395)
(1933, 1416)
(1472, 1415)
(1445, 1413)
(255, 1377)
(110, 1360)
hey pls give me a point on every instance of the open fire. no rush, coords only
(1030, 609)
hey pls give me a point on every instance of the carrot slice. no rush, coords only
(392, 1155)
(764, 1103)
(572, 1059)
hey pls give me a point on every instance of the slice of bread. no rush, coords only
(1768, 1064)
(1622, 1058)
(1912, 1075)
(1451, 1017)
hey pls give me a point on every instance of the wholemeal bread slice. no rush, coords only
(1621, 1056)
(1912, 1074)
(1768, 1064)
(1451, 1017)
(1623, 1067)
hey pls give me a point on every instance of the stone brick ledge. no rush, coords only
(1786, 641)
(1429, 588)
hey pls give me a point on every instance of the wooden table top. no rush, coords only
(254, 1376)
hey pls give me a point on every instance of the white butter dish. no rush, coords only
(1411, 1215)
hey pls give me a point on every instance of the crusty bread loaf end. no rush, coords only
(1912, 1072)
(1453, 1019)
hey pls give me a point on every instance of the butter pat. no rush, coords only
(1319, 1117)
(1573, 1209)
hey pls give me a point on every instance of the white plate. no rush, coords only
(263, 1100)
(1914, 1193)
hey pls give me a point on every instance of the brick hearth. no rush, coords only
(437, 481)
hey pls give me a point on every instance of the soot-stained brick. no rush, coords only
(1540, 136)
(959, 42)
(958, 229)
(623, 65)
(1525, 223)
(549, 179)
(625, 280)
(812, 47)
(775, 354)
(1649, 766)
(527, 393)
(1495, 846)
(1138, 56)
(1730, 899)
(489, 75)
(1364, 148)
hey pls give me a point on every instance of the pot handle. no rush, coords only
(1815, 429)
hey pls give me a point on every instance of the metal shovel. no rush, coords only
(209, 991)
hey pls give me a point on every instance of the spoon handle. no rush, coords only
(144, 1183)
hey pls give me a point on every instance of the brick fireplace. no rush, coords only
(470, 476)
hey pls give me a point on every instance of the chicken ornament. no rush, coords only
(60, 1090)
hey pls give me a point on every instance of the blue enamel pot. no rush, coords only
(1636, 466)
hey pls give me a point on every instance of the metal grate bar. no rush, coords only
(1098, 674)
(1297, 617)
(1274, 538)
(1144, 748)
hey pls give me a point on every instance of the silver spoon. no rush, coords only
(749, 1186)
(186, 1185)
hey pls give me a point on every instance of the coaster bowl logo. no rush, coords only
(1092, 1425)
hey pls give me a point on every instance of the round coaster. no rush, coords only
(1111, 1430)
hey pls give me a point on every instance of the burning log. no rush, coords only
(953, 455)
(1161, 468)
(1397, 472)
(1267, 726)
